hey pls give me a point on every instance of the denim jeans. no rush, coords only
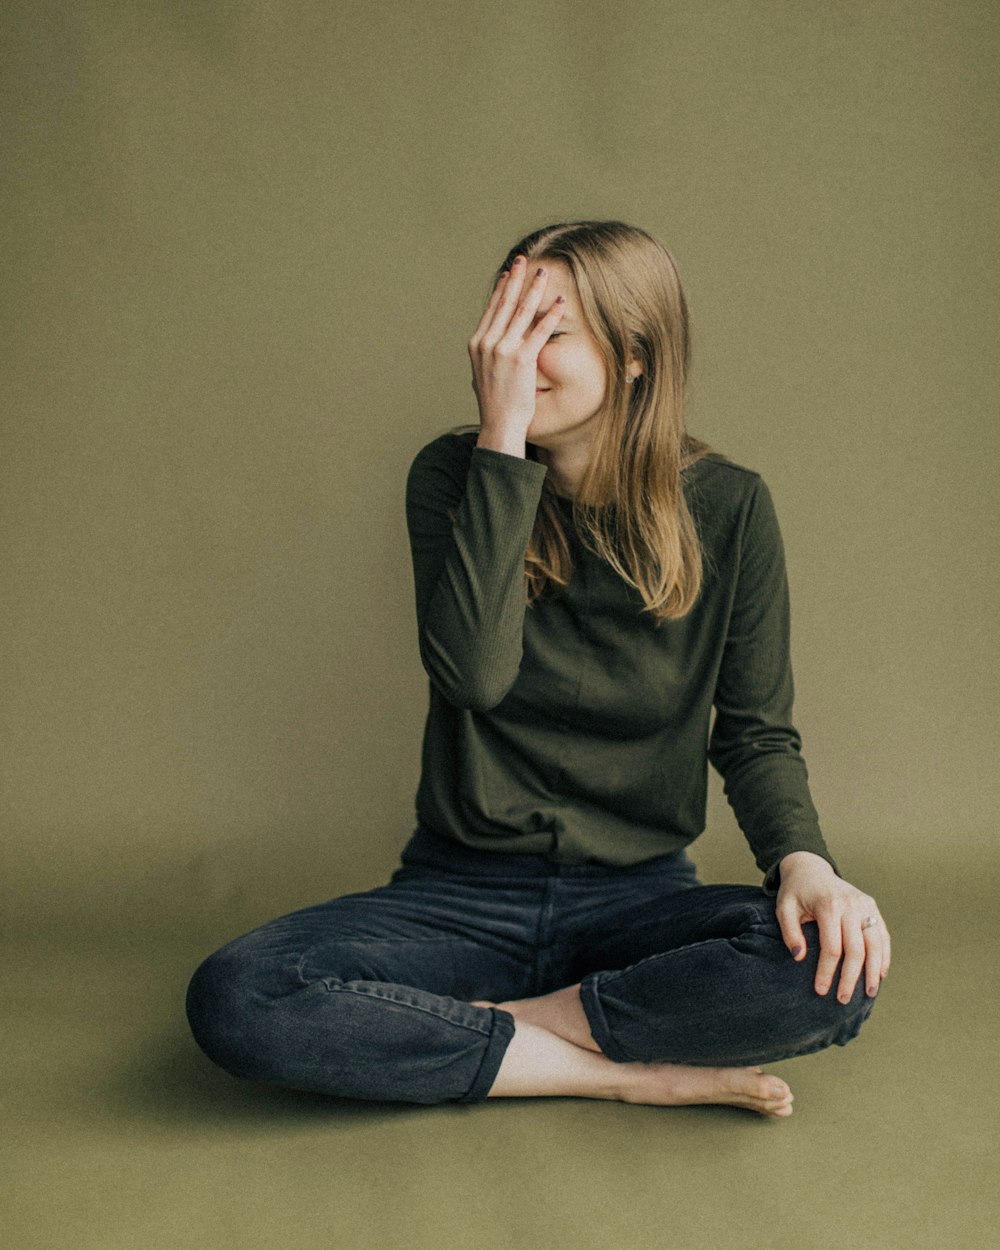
(367, 995)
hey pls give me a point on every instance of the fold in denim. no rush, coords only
(496, 1048)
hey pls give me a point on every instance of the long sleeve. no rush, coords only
(754, 745)
(470, 518)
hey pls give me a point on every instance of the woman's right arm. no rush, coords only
(470, 517)
(468, 572)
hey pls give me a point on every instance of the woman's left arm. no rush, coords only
(757, 750)
(850, 924)
(754, 744)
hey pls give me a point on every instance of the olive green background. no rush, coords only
(245, 246)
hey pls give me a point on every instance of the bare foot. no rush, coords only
(678, 1085)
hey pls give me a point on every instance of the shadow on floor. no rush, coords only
(167, 1079)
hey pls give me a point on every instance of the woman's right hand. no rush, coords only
(505, 358)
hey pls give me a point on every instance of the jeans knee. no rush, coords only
(224, 1007)
(831, 1022)
(852, 1015)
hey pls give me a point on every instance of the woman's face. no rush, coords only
(571, 376)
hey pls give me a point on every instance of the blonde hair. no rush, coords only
(630, 508)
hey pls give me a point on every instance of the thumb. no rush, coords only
(787, 914)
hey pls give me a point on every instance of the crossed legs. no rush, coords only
(379, 995)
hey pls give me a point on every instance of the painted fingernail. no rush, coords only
(539, 272)
(796, 951)
(872, 991)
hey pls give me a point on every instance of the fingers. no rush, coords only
(536, 340)
(853, 941)
(511, 335)
(865, 946)
(879, 954)
(789, 921)
(830, 946)
(850, 928)
(490, 308)
(497, 314)
(498, 308)
(874, 941)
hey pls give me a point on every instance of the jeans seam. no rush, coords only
(303, 958)
(347, 989)
(545, 908)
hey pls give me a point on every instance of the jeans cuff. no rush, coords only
(598, 1022)
(496, 1046)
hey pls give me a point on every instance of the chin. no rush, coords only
(550, 438)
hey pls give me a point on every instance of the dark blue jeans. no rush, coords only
(367, 995)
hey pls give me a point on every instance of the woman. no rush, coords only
(590, 582)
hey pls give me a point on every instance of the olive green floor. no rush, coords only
(118, 1133)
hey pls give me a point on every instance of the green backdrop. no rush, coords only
(245, 247)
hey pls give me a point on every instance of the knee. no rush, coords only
(834, 1023)
(225, 1008)
(842, 1022)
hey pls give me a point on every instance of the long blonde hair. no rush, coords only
(630, 508)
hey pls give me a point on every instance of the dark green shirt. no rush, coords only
(578, 728)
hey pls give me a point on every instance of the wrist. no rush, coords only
(796, 861)
(499, 439)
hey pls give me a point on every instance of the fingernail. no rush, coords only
(796, 951)
(539, 272)
(872, 991)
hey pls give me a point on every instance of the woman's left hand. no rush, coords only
(850, 924)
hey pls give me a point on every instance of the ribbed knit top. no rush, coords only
(577, 728)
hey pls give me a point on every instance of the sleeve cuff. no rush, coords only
(532, 470)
